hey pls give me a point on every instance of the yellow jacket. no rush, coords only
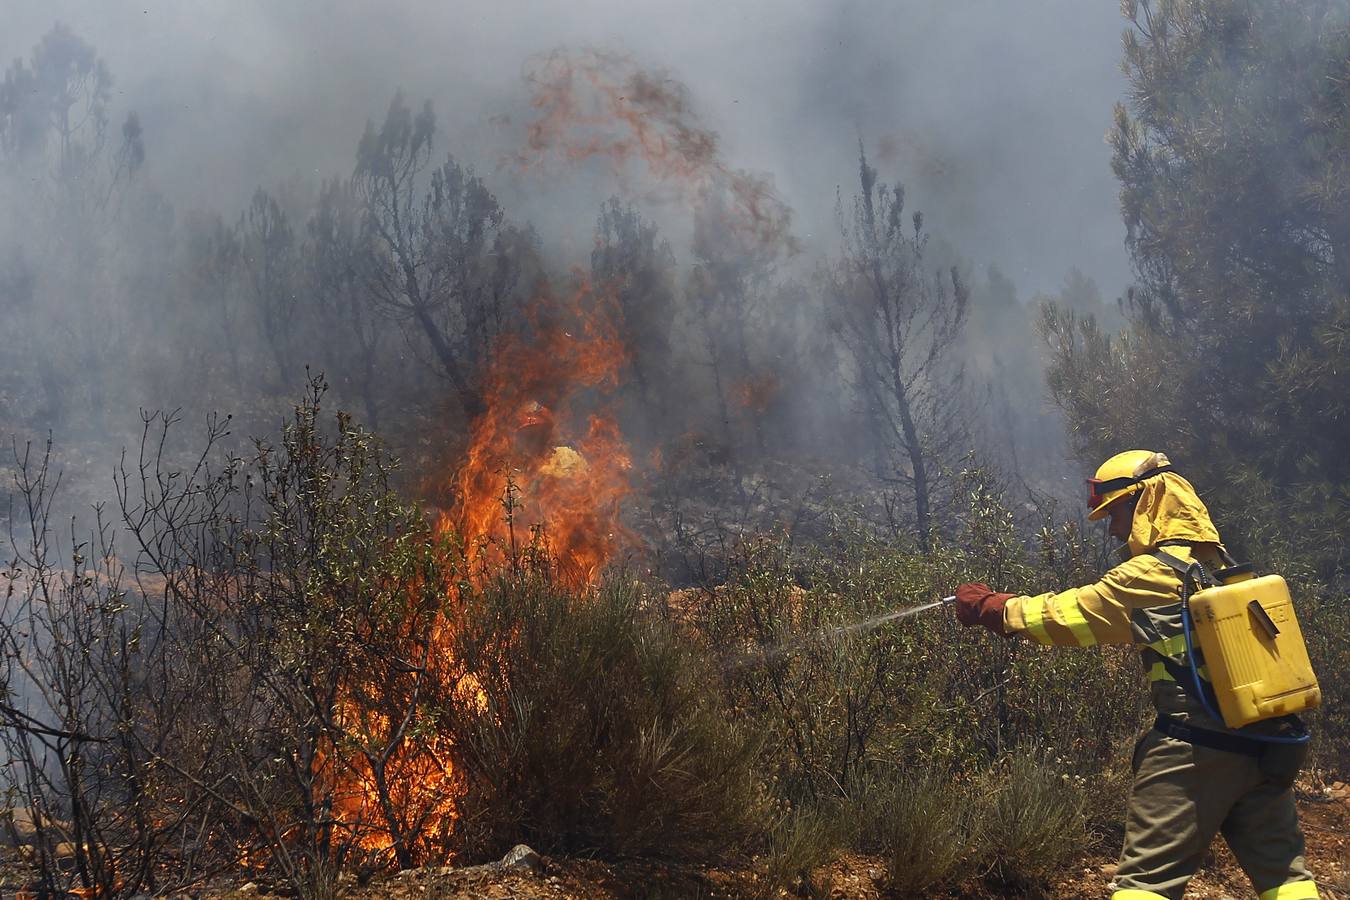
(1138, 601)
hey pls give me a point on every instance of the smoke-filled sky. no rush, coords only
(992, 113)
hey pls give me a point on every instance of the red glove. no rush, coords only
(976, 604)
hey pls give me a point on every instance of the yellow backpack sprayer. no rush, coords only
(1253, 648)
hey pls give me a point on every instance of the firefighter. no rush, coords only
(1193, 777)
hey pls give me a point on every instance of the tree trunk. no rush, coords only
(468, 397)
(922, 514)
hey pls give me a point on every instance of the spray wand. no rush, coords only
(772, 653)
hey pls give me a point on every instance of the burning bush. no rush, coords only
(307, 600)
(319, 679)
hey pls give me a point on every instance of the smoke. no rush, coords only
(991, 113)
(598, 104)
(733, 126)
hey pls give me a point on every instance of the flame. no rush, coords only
(754, 394)
(418, 797)
(385, 786)
(547, 463)
(538, 462)
(542, 459)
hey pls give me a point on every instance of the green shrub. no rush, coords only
(922, 823)
(828, 692)
(586, 725)
(1032, 818)
(832, 695)
(803, 840)
(1325, 620)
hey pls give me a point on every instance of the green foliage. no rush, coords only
(1325, 621)
(834, 689)
(922, 822)
(584, 724)
(828, 695)
(1233, 156)
(1032, 819)
(887, 726)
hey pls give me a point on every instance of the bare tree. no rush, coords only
(92, 695)
(899, 326)
(316, 596)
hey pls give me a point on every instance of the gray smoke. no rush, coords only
(991, 113)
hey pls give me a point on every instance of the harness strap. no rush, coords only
(1203, 737)
(1192, 575)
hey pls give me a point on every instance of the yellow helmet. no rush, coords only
(1120, 476)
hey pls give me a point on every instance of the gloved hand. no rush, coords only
(977, 604)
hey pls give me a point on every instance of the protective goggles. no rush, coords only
(1100, 489)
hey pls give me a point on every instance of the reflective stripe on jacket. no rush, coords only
(1137, 602)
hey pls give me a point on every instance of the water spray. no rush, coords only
(769, 654)
(876, 621)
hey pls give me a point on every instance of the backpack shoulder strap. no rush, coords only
(1192, 574)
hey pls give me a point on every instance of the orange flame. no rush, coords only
(547, 460)
(754, 394)
(562, 469)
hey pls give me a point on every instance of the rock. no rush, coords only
(250, 888)
(521, 858)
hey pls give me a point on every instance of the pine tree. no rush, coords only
(1233, 156)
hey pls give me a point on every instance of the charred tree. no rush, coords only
(900, 326)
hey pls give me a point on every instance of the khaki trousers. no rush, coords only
(1183, 795)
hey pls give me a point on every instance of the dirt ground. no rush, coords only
(1325, 817)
